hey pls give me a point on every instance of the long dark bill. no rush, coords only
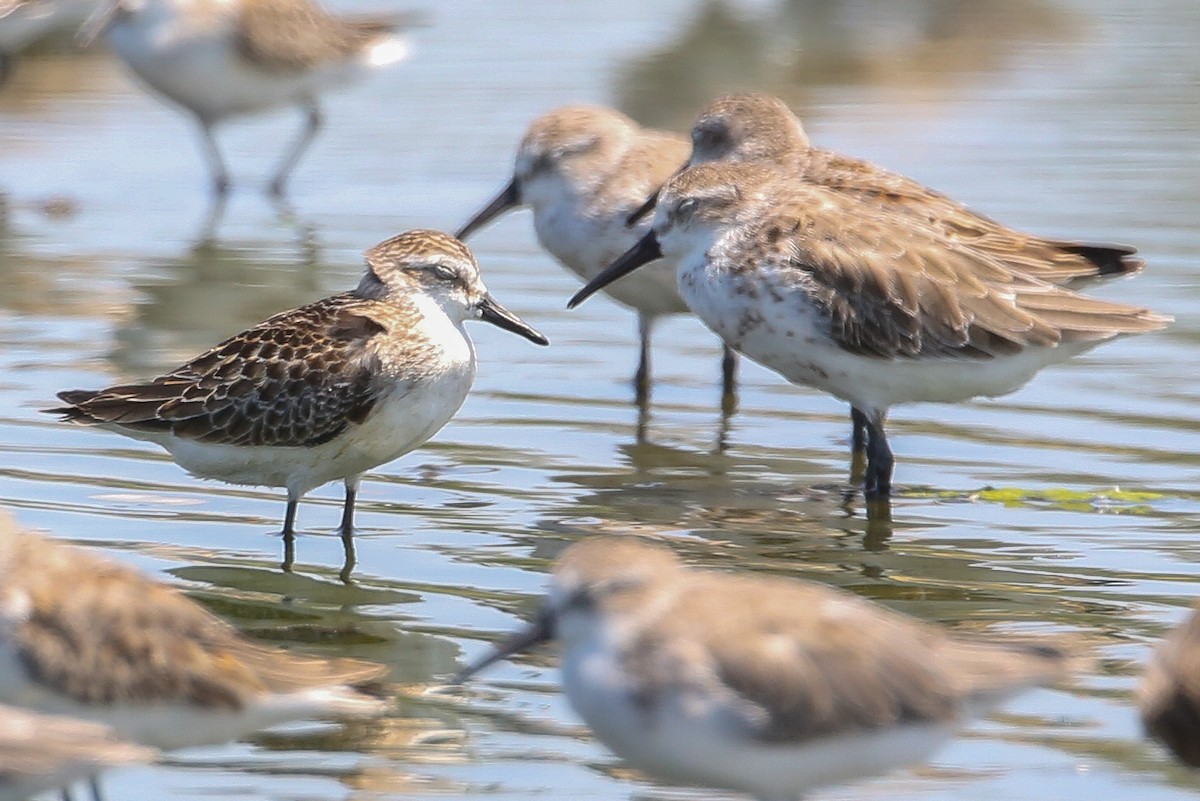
(509, 198)
(645, 251)
(492, 312)
(539, 631)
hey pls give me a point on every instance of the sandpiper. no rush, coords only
(761, 685)
(233, 57)
(876, 308)
(582, 170)
(85, 637)
(326, 391)
(759, 128)
(1169, 694)
(43, 752)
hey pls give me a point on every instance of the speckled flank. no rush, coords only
(828, 290)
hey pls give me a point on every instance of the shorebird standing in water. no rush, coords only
(836, 292)
(760, 685)
(582, 170)
(756, 128)
(326, 391)
(225, 58)
(86, 637)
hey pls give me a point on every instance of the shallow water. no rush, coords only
(1077, 121)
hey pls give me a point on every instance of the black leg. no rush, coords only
(347, 526)
(347, 529)
(641, 379)
(879, 459)
(289, 534)
(858, 431)
(312, 124)
(729, 363)
(95, 784)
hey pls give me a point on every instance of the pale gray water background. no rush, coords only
(1073, 120)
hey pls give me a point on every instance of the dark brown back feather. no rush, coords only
(296, 379)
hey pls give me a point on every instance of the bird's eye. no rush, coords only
(443, 272)
(686, 208)
(581, 600)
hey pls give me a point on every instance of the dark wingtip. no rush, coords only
(1110, 260)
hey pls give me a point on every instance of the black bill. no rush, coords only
(536, 633)
(644, 252)
(497, 315)
(509, 198)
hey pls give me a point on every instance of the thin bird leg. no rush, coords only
(289, 534)
(879, 458)
(347, 529)
(641, 379)
(729, 381)
(858, 431)
(95, 784)
(216, 164)
(312, 124)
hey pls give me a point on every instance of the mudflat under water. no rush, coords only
(1070, 506)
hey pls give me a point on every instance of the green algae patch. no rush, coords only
(1110, 498)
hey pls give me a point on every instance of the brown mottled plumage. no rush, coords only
(322, 392)
(1169, 694)
(95, 637)
(299, 378)
(300, 34)
(749, 128)
(42, 752)
(758, 668)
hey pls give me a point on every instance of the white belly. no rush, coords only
(688, 739)
(783, 332)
